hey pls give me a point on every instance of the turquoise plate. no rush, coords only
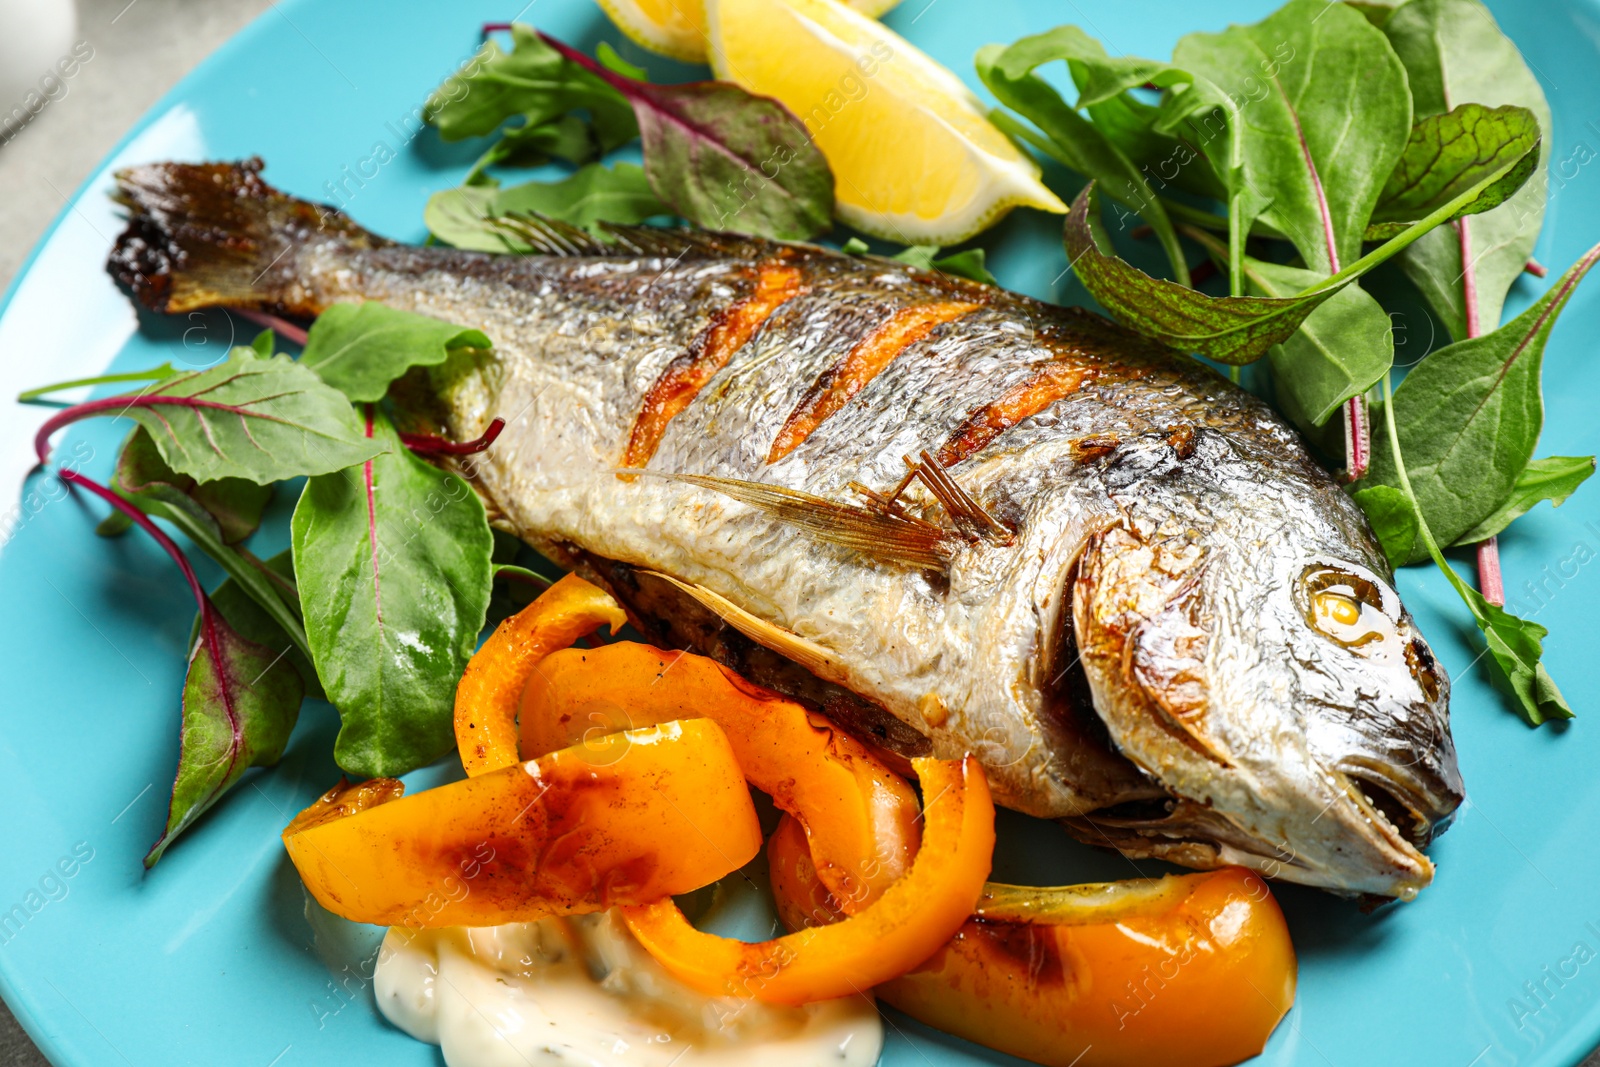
(209, 959)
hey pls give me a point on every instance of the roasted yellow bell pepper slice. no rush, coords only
(491, 686)
(1185, 971)
(627, 819)
(913, 917)
(861, 819)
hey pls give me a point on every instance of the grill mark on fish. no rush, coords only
(1050, 383)
(866, 359)
(730, 330)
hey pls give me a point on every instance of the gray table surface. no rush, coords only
(140, 50)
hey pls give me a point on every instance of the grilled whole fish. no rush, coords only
(977, 522)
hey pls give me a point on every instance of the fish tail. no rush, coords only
(215, 234)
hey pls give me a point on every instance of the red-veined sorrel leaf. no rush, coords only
(234, 504)
(207, 512)
(240, 701)
(393, 560)
(262, 420)
(723, 158)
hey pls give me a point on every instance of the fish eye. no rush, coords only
(1347, 609)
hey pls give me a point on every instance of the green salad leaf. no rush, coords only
(240, 703)
(1341, 350)
(234, 505)
(261, 420)
(1516, 645)
(968, 264)
(1553, 479)
(251, 622)
(1469, 418)
(1454, 54)
(1327, 116)
(727, 160)
(144, 480)
(1232, 329)
(360, 348)
(1069, 138)
(393, 562)
(533, 81)
(466, 216)
(1449, 152)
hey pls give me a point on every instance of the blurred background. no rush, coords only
(73, 78)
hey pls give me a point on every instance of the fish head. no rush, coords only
(1264, 671)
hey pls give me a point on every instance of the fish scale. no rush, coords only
(1114, 607)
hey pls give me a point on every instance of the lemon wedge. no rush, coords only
(677, 28)
(913, 157)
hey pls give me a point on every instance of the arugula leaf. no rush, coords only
(146, 482)
(1469, 417)
(1553, 479)
(1454, 54)
(360, 348)
(1073, 140)
(1516, 645)
(393, 562)
(1341, 350)
(968, 264)
(1449, 152)
(465, 217)
(240, 703)
(263, 420)
(725, 159)
(233, 504)
(1328, 115)
(250, 622)
(532, 80)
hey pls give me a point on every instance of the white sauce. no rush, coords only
(581, 991)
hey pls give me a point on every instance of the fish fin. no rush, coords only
(810, 655)
(678, 241)
(972, 520)
(215, 234)
(552, 237)
(888, 535)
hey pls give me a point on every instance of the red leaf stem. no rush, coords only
(1535, 268)
(282, 327)
(1490, 582)
(428, 444)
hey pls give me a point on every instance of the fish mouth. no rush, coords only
(1367, 840)
(1399, 799)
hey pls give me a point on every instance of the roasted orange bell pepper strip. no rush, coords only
(491, 686)
(1185, 971)
(912, 918)
(860, 817)
(627, 819)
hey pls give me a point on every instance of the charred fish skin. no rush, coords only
(1261, 696)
